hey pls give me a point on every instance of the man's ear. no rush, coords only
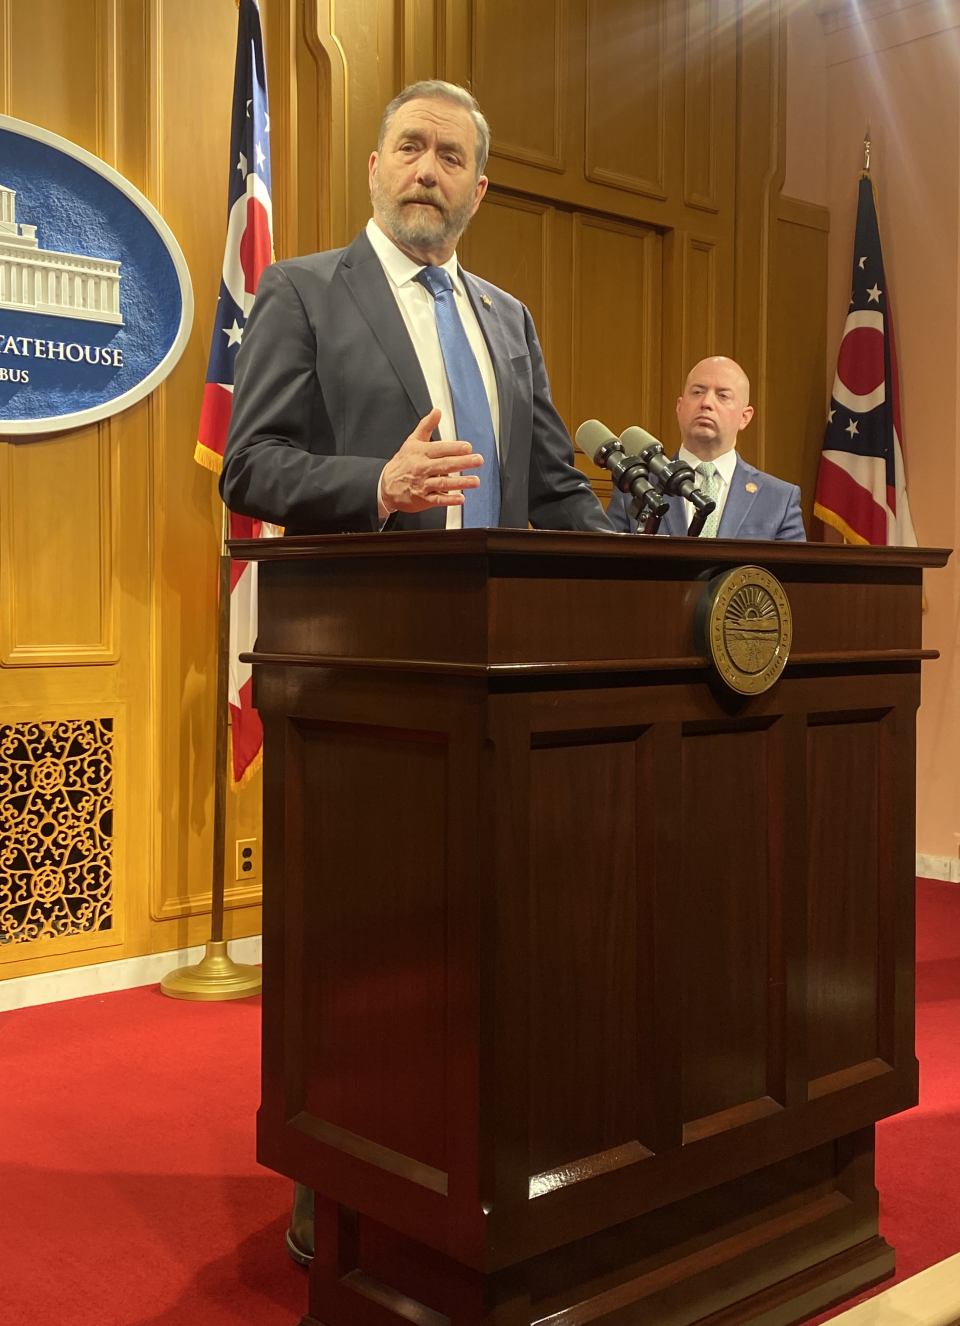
(482, 183)
(372, 167)
(747, 416)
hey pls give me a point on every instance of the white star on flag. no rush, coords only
(875, 294)
(852, 428)
(249, 104)
(861, 262)
(267, 123)
(258, 153)
(242, 165)
(233, 334)
(830, 414)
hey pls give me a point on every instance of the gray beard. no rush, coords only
(424, 227)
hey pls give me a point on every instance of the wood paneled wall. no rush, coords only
(109, 534)
(636, 162)
(634, 206)
(798, 347)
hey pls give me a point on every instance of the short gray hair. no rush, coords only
(436, 89)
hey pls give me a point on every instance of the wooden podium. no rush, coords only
(585, 979)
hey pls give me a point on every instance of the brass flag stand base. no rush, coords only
(216, 975)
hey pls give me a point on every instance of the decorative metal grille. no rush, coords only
(56, 829)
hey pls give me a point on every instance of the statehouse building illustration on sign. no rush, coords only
(70, 285)
(96, 304)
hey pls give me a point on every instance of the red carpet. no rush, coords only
(129, 1192)
(130, 1196)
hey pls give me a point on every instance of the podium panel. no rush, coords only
(585, 978)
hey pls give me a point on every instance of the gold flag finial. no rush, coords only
(866, 148)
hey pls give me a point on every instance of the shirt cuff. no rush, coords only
(382, 511)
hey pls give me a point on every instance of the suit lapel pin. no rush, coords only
(486, 301)
(751, 487)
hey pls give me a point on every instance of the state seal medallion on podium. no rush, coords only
(746, 628)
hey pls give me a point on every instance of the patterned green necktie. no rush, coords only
(710, 488)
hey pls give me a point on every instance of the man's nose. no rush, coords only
(427, 169)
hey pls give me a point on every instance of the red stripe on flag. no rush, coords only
(236, 571)
(247, 732)
(241, 527)
(854, 504)
(215, 417)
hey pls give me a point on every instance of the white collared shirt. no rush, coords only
(724, 466)
(416, 309)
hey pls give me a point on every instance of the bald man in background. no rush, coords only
(712, 413)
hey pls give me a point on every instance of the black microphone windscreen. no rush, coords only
(592, 435)
(635, 439)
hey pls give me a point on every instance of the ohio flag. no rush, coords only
(861, 489)
(249, 249)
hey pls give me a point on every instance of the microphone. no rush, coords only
(674, 477)
(629, 473)
(596, 440)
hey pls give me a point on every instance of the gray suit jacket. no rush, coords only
(770, 512)
(328, 386)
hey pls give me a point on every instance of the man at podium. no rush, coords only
(383, 386)
(712, 412)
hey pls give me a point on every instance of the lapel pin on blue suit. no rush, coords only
(751, 487)
(486, 301)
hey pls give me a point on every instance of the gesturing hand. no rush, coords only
(425, 474)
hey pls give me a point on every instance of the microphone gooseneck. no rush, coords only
(629, 472)
(673, 477)
(638, 465)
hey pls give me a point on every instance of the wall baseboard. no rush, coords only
(939, 867)
(929, 1298)
(103, 977)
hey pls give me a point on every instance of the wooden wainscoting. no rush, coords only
(109, 534)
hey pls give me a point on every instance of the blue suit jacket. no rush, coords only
(328, 385)
(772, 512)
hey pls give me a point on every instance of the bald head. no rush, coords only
(721, 366)
(715, 407)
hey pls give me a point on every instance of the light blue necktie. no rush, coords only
(471, 408)
(710, 487)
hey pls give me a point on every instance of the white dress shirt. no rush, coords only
(724, 466)
(416, 308)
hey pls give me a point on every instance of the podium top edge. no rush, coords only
(570, 543)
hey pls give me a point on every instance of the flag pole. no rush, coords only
(217, 976)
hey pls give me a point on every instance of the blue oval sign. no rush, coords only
(96, 304)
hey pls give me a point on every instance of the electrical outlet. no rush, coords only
(248, 858)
